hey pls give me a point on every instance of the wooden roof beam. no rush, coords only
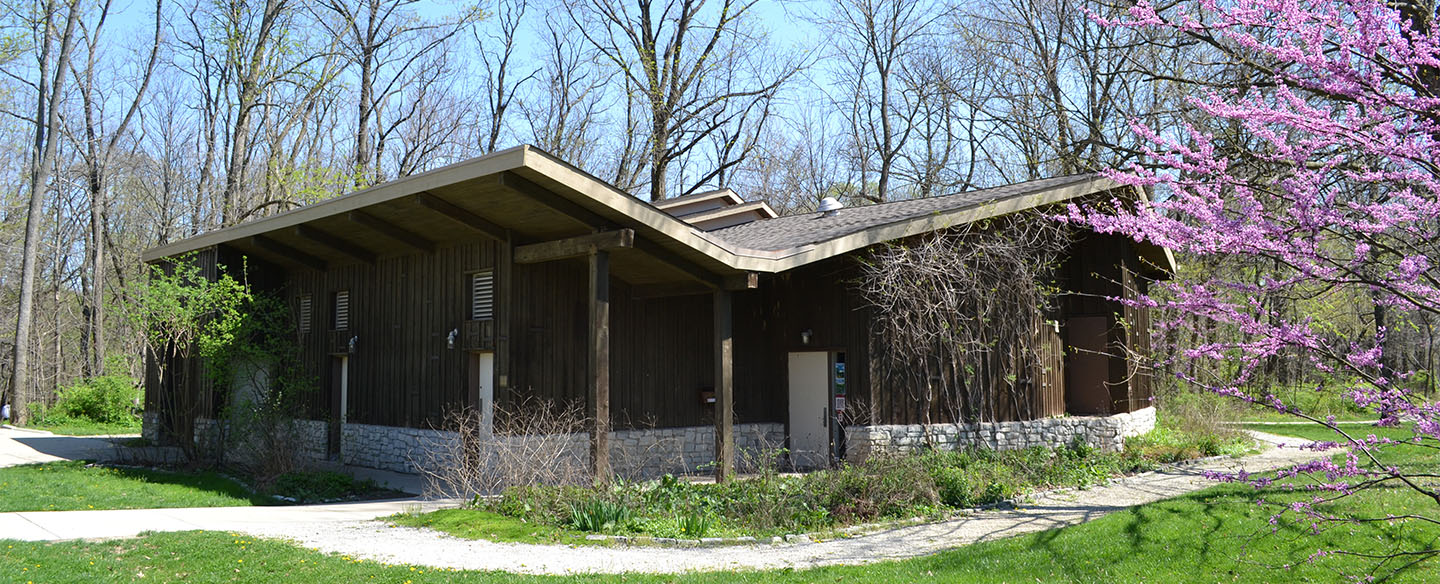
(290, 254)
(575, 246)
(709, 279)
(392, 231)
(335, 243)
(462, 216)
(555, 202)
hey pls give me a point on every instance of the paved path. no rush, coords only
(378, 541)
(21, 446)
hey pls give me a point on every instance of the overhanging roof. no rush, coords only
(534, 196)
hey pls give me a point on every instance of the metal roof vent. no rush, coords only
(829, 206)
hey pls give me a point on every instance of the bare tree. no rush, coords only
(49, 86)
(98, 149)
(1057, 89)
(563, 110)
(383, 39)
(872, 41)
(696, 67)
(497, 59)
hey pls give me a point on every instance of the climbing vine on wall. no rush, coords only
(956, 314)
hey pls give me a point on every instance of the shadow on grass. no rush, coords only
(113, 487)
(205, 481)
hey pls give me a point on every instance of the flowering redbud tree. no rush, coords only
(1336, 184)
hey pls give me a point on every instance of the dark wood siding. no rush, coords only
(403, 373)
(402, 311)
(1100, 269)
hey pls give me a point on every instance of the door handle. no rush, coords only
(824, 418)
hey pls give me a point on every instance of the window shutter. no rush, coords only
(342, 310)
(303, 319)
(482, 295)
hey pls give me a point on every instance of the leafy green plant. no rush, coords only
(695, 524)
(598, 515)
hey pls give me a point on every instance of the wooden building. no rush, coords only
(517, 275)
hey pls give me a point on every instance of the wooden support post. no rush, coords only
(505, 301)
(724, 387)
(598, 365)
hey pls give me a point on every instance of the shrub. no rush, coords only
(108, 399)
(488, 459)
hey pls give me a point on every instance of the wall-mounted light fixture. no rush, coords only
(350, 347)
(805, 336)
(450, 339)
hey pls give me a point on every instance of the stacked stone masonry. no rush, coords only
(306, 439)
(651, 453)
(633, 453)
(1106, 433)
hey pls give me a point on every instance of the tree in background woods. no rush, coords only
(1324, 178)
(53, 29)
(697, 71)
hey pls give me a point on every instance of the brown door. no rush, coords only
(1087, 366)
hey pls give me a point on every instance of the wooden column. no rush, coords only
(598, 365)
(724, 387)
(505, 303)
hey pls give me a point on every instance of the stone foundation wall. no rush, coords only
(305, 438)
(150, 426)
(391, 447)
(633, 453)
(1106, 433)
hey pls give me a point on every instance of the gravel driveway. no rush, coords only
(376, 540)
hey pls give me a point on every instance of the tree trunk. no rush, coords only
(47, 123)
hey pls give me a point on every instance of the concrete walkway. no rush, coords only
(21, 446)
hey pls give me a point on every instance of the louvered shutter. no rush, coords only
(482, 295)
(342, 310)
(303, 319)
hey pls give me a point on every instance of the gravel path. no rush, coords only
(375, 540)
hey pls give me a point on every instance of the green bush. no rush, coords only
(108, 399)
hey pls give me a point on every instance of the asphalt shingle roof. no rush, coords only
(793, 231)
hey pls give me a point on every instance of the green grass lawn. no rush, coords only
(1214, 535)
(477, 524)
(71, 485)
(1317, 404)
(82, 427)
